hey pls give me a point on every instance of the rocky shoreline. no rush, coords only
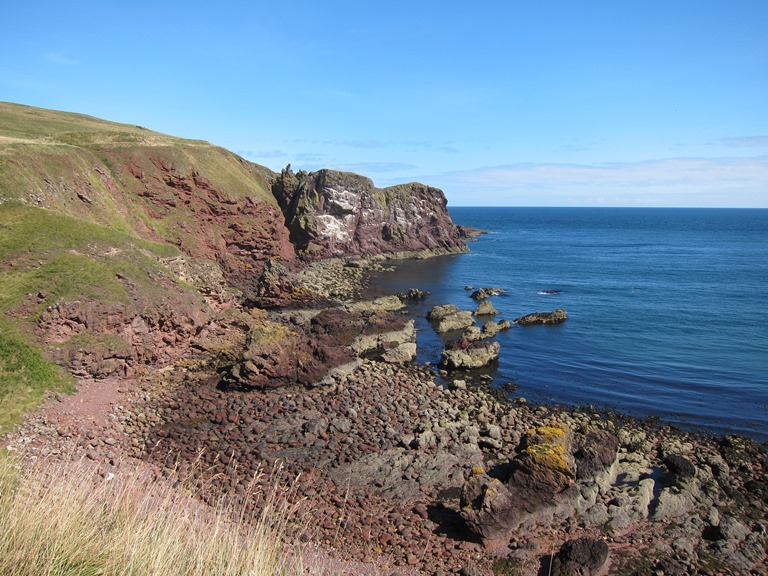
(396, 471)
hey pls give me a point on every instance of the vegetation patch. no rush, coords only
(66, 519)
(25, 376)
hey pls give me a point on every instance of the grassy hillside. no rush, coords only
(49, 258)
(92, 216)
(128, 178)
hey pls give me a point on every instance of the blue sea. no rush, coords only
(667, 308)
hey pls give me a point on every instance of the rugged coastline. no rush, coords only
(215, 317)
(385, 462)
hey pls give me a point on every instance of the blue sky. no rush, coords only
(560, 103)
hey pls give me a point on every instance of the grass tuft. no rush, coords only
(65, 519)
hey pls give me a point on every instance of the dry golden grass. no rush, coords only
(66, 519)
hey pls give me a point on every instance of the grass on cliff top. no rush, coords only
(22, 122)
(86, 167)
(66, 519)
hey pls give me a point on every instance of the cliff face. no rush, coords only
(208, 202)
(120, 245)
(331, 213)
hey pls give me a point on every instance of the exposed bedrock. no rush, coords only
(331, 213)
(305, 351)
(538, 485)
(448, 317)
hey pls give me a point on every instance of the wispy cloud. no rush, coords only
(348, 143)
(428, 145)
(262, 155)
(746, 141)
(376, 167)
(663, 182)
(311, 157)
(60, 59)
(373, 143)
(573, 148)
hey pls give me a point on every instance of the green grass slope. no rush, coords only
(126, 177)
(49, 258)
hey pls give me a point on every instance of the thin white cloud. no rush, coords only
(665, 182)
(373, 143)
(311, 157)
(746, 141)
(270, 154)
(262, 155)
(376, 167)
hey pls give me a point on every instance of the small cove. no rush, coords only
(665, 308)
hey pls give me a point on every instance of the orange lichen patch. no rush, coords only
(269, 334)
(551, 456)
(557, 433)
(547, 445)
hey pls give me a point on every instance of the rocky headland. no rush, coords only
(214, 315)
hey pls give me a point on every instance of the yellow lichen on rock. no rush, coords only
(548, 446)
(551, 456)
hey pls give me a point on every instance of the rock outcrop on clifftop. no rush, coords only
(331, 214)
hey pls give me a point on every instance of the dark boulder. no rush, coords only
(484, 293)
(580, 557)
(594, 451)
(678, 469)
(555, 317)
(413, 295)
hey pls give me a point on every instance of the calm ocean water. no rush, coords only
(667, 308)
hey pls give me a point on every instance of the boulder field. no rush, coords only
(389, 467)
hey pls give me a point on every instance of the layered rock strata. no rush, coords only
(331, 214)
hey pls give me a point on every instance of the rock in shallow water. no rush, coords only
(485, 308)
(555, 317)
(448, 317)
(463, 354)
